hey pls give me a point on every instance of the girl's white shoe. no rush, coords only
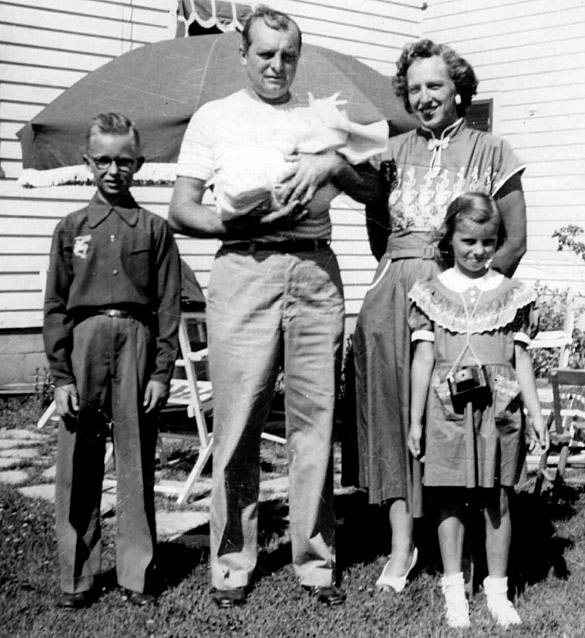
(397, 583)
(456, 607)
(498, 603)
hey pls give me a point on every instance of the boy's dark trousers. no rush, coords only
(111, 361)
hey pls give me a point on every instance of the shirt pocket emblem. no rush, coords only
(81, 246)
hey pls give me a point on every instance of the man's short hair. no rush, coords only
(276, 20)
(112, 124)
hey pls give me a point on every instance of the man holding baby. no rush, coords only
(275, 296)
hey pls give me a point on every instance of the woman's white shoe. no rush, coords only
(456, 607)
(499, 605)
(397, 583)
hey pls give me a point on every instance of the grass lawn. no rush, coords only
(548, 564)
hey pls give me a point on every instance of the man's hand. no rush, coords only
(286, 216)
(155, 395)
(308, 172)
(66, 400)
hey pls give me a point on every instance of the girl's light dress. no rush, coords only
(484, 446)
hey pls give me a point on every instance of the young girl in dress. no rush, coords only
(471, 377)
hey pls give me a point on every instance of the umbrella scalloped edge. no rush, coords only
(148, 174)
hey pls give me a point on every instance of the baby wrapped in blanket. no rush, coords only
(250, 176)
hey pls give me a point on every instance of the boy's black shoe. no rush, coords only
(228, 598)
(140, 599)
(329, 595)
(77, 600)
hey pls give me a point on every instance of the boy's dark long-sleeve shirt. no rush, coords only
(111, 257)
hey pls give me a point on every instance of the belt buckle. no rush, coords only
(428, 252)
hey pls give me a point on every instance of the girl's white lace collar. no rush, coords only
(458, 282)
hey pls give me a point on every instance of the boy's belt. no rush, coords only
(285, 246)
(424, 252)
(116, 313)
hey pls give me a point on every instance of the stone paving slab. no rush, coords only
(9, 443)
(45, 491)
(13, 477)
(6, 463)
(25, 435)
(50, 473)
(170, 525)
(20, 453)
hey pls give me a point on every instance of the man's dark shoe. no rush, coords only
(140, 599)
(79, 600)
(327, 594)
(228, 598)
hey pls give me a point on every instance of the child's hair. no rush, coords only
(479, 208)
(113, 124)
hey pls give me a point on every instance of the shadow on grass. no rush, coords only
(537, 551)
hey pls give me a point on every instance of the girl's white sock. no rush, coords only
(456, 607)
(499, 606)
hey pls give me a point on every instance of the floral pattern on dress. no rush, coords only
(421, 201)
(426, 182)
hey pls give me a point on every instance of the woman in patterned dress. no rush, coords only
(433, 164)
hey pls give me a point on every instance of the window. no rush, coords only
(479, 115)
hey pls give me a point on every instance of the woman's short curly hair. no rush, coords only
(460, 71)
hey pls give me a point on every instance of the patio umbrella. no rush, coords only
(160, 86)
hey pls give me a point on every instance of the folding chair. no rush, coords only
(566, 420)
(196, 395)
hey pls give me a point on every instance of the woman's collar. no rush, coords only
(448, 131)
(458, 282)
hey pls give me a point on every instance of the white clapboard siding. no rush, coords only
(529, 56)
(45, 47)
(48, 45)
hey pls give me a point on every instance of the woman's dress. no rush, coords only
(430, 173)
(482, 443)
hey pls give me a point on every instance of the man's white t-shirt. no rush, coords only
(233, 127)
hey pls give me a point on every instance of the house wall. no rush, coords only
(47, 45)
(529, 56)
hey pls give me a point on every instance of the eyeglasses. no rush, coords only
(104, 162)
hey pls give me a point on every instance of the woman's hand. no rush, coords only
(414, 439)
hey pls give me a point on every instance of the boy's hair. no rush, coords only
(112, 124)
(274, 19)
(477, 207)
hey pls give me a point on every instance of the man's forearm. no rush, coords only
(195, 220)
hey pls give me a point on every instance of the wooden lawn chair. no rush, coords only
(561, 339)
(566, 420)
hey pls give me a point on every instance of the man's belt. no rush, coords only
(423, 252)
(285, 246)
(115, 313)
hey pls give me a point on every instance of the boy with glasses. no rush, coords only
(110, 330)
